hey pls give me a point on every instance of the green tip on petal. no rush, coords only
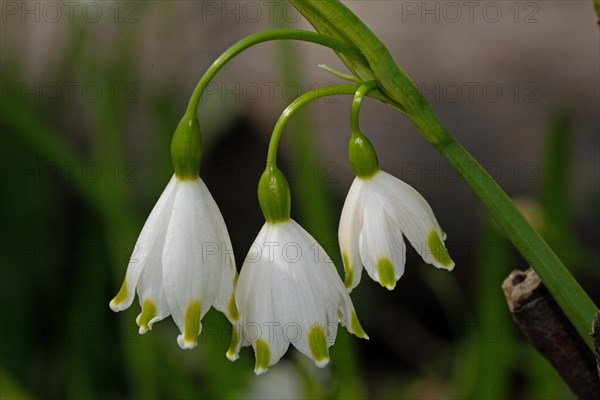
(232, 353)
(148, 312)
(191, 325)
(348, 272)
(186, 148)
(356, 327)
(362, 155)
(120, 297)
(438, 251)
(232, 308)
(263, 356)
(385, 273)
(317, 343)
(274, 195)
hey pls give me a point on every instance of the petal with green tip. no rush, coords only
(413, 215)
(191, 326)
(263, 356)
(148, 248)
(351, 222)
(381, 244)
(317, 342)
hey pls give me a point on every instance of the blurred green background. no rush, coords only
(91, 93)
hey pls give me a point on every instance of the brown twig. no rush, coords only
(548, 329)
(596, 338)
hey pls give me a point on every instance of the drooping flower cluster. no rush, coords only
(288, 291)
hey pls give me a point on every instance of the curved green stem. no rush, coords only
(331, 90)
(276, 34)
(357, 103)
(571, 297)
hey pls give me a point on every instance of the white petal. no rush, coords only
(289, 291)
(349, 231)
(191, 277)
(382, 247)
(152, 297)
(307, 304)
(222, 253)
(148, 248)
(244, 292)
(416, 220)
(260, 326)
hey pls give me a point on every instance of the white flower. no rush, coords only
(378, 211)
(289, 292)
(182, 263)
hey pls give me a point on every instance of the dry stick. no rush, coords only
(596, 337)
(551, 333)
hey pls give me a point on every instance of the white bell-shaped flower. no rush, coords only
(378, 212)
(182, 263)
(289, 292)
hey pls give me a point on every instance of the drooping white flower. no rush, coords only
(182, 263)
(378, 212)
(289, 292)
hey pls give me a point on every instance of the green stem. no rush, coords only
(331, 90)
(357, 103)
(276, 34)
(556, 277)
(573, 300)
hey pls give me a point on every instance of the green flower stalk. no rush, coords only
(379, 211)
(338, 21)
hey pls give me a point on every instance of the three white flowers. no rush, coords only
(288, 291)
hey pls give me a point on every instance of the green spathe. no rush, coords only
(274, 195)
(362, 155)
(186, 148)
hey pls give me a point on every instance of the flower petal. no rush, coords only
(222, 252)
(152, 297)
(381, 245)
(414, 216)
(148, 248)
(306, 303)
(191, 278)
(349, 232)
(259, 325)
